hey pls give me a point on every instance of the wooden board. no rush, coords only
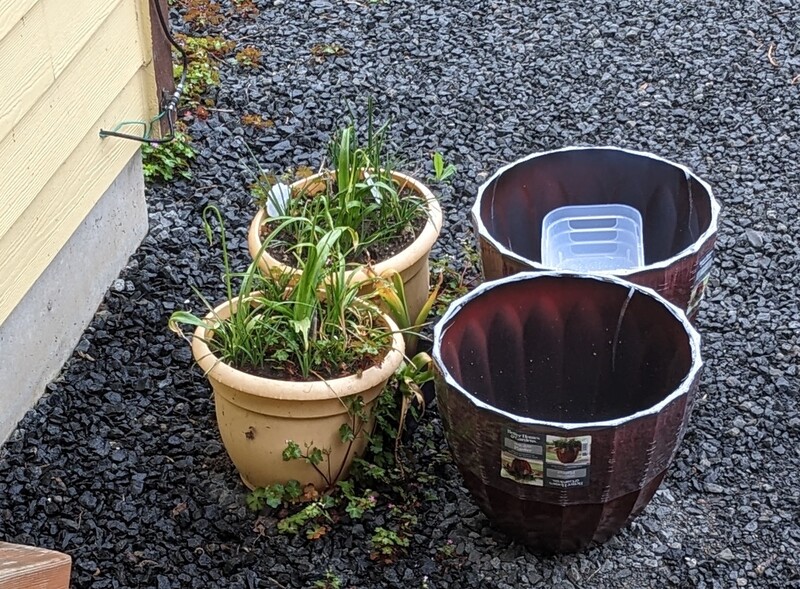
(46, 225)
(27, 567)
(70, 26)
(25, 60)
(161, 55)
(11, 11)
(47, 135)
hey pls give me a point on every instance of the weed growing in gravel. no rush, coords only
(258, 122)
(442, 172)
(249, 57)
(201, 13)
(329, 581)
(163, 162)
(388, 544)
(321, 51)
(245, 8)
(202, 73)
(456, 281)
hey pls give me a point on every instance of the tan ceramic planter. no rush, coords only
(256, 416)
(411, 263)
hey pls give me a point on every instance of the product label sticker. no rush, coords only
(545, 461)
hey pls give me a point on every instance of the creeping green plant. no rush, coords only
(163, 162)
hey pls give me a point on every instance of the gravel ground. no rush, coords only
(120, 464)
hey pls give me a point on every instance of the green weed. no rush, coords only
(164, 162)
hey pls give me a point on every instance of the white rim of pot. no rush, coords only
(416, 250)
(537, 264)
(682, 389)
(288, 390)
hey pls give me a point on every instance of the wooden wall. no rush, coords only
(68, 69)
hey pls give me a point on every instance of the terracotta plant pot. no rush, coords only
(256, 416)
(536, 362)
(411, 263)
(679, 214)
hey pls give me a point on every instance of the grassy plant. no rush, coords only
(442, 172)
(391, 292)
(164, 162)
(299, 327)
(358, 193)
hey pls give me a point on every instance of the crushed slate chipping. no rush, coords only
(120, 464)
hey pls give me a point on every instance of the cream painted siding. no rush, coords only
(67, 69)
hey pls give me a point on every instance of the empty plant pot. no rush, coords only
(564, 397)
(678, 211)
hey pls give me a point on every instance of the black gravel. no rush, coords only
(120, 464)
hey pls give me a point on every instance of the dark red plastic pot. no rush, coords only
(599, 368)
(679, 214)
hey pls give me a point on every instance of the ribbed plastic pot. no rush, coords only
(411, 263)
(256, 416)
(679, 214)
(564, 398)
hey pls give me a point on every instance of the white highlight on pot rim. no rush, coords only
(279, 195)
(441, 327)
(690, 250)
(277, 199)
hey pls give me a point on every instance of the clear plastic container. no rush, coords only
(593, 238)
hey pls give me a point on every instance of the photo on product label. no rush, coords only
(571, 451)
(527, 472)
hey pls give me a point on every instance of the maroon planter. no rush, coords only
(564, 398)
(678, 209)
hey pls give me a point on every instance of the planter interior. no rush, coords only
(544, 349)
(559, 355)
(676, 206)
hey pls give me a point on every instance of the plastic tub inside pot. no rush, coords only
(678, 209)
(564, 398)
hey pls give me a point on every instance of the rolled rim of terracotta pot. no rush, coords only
(682, 389)
(399, 262)
(691, 250)
(286, 390)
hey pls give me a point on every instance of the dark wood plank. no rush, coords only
(162, 56)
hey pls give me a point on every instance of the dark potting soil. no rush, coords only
(120, 463)
(324, 371)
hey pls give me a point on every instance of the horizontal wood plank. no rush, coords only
(46, 136)
(46, 225)
(25, 59)
(28, 567)
(70, 25)
(11, 12)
